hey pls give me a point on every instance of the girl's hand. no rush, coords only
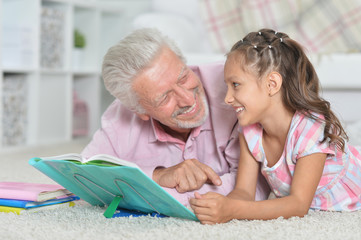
(211, 208)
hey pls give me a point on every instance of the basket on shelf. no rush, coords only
(80, 117)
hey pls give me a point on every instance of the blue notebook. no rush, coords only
(101, 181)
(32, 204)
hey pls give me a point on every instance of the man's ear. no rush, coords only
(144, 117)
(274, 83)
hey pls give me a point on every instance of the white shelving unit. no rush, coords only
(37, 48)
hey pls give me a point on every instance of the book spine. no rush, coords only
(13, 203)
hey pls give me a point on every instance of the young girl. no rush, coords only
(288, 131)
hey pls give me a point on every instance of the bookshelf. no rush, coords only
(42, 71)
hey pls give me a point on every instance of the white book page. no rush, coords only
(102, 157)
(112, 159)
(68, 156)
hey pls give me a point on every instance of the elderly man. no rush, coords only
(168, 118)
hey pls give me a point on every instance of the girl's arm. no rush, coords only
(213, 208)
(247, 175)
(306, 178)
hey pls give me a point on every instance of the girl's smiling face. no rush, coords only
(246, 93)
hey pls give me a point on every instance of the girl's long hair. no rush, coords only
(265, 51)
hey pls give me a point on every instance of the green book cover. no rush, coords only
(100, 183)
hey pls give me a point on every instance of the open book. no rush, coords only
(104, 180)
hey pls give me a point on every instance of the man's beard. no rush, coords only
(191, 124)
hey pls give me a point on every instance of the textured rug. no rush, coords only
(87, 222)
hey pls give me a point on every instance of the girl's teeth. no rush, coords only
(239, 109)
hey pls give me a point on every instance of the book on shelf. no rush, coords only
(19, 210)
(32, 191)
(105, 180)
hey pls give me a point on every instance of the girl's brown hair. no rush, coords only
(265, 51)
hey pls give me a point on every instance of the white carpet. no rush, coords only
(87, 222)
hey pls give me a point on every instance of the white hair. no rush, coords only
(126, 59)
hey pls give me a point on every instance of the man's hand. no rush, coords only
(186, 176)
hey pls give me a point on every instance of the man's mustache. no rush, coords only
(184, 109)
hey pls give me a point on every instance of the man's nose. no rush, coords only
(184, 96)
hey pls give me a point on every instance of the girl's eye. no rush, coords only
(235, 84)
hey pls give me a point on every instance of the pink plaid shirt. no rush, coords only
(215, 143)
(340, 186)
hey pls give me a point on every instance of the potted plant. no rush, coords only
(79, 39)
(79, 45)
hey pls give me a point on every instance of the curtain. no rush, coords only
(321, 26)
